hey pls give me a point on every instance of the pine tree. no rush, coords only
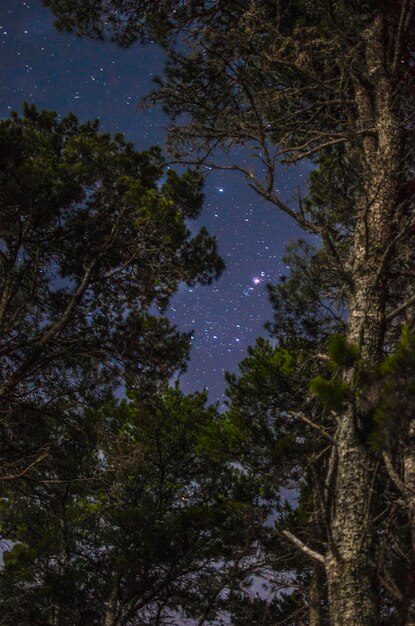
(90, 239)
(331, 82)
(141, 521)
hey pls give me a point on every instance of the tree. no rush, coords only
(286, 443)
(331, 81)
(90, 239)
(157, 527)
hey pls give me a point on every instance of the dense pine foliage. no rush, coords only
(295, 505)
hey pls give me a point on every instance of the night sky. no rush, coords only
(64, 73)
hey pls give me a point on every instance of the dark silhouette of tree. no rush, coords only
(142, 520)
(330, 81)
(90, 239)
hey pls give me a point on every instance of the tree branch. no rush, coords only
(317, 427)
(407, 493)
(27, 469)
(312, 554)
(400, 309)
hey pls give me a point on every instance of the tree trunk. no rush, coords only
(409, 480)
(350, 562)
(315, 597)
(110, 615)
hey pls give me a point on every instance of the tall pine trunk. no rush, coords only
(409, 481)
(350, 562)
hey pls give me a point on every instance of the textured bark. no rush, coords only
(110, 616)
(315, 598)
(409, 480)
(350, 572)
(349, 562)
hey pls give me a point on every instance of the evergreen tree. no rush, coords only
(330, 81)
(141, 521)
(90, 239)
(286, 442)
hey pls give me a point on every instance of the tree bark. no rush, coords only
(409, 480)
(349, 568)
(315, 597)
(350, 562)
(110, 615)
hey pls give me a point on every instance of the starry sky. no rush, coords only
(61, 72)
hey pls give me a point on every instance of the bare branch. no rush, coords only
(410, 302)
(312, 554)
(404, 20)
(27, 469)
(306, 154)
(406, 492)
(310, 422)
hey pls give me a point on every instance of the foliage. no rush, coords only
(330, 83)
(389, 395)
(266, 401)
(91, 239)
(144, 521)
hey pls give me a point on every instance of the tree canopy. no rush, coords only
(154, 528)
(331, 82)
(91, 237)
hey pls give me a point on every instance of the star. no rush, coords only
(71, 74)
